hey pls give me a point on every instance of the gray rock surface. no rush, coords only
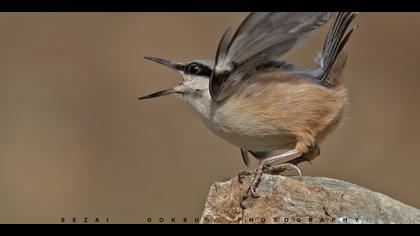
(307, 200)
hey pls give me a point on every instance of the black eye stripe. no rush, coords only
(203, 71)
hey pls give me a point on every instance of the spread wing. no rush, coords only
(261, 36)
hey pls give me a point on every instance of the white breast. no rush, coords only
(232, 122)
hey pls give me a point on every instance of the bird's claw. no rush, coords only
(242, 174)
(251, 191)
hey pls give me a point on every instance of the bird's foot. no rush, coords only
(300, 160)
(242, 174)
(263, 168)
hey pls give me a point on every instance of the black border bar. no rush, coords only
(207, 5)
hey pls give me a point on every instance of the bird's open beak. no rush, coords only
(171, 65)
(159, 94)
(167, 63)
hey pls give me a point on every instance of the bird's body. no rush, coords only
(265, 113)
(261, 104)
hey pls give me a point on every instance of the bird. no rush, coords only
(252, 98)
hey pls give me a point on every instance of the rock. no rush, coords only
(307, 200)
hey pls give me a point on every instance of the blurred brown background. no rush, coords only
(75, 141)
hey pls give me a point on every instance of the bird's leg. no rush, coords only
(311, 151)
(299, 154)
(307, 157)
(245, 156)
(255, 181)
(264, 167)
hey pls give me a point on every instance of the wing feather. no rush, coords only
(261, 37)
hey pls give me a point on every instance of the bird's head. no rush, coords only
(195, 78)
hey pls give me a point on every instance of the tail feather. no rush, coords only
(331, 60)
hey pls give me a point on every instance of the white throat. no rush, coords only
(200, 103)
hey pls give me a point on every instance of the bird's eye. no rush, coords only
(193, 69)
